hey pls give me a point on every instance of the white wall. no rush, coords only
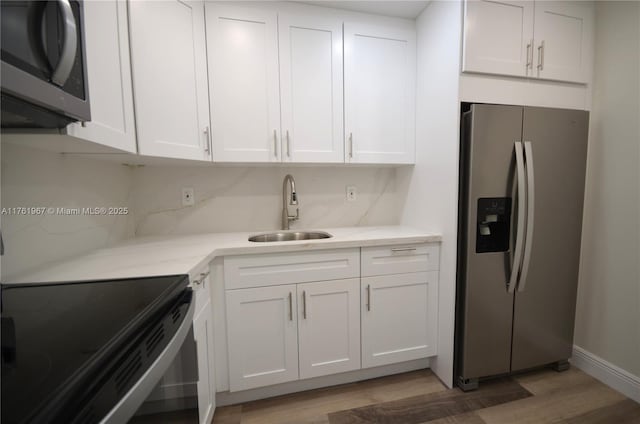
(250, 198)
(431, 201)
(608, 310)
(35, 178)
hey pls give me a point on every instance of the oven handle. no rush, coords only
(129, 404)
(69, 44)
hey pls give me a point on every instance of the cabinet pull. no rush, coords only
(288, 145)
(541, 56)
(403, 249)
(207, 146)
(368, 297)
(304, 304)
(530, 55)
(351, 145)
(290, 306)
(275, 144)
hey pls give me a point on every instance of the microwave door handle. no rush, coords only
(517, 255)
(69, 44)
(528, 155)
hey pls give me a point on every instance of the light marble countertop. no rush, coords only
(169, 255)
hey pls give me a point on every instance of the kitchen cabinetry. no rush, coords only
(262, 331)
(203, 336)
(286, 320)
(263, 67)
(329, 327)
(379, 96)
(547, 40)
(399, 291)
(170, 78)
(109, 74)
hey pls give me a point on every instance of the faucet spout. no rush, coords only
(293, 201)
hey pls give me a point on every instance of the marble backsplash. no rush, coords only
(38, 178)
(241, 198)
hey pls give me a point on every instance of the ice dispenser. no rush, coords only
(493, 222)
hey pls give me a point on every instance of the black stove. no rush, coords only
(72, 351)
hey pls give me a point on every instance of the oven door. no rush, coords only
(149, 400)
(43, 64)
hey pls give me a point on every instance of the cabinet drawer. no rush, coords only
(285, 268)
(383, 260)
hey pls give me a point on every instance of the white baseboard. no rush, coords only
(611, 375)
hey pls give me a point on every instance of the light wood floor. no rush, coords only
(418, 397)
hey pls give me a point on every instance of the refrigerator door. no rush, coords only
(485, 307)
(545, 302)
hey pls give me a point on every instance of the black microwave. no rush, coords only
(44, 74)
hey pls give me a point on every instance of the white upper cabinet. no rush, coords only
(563, 35)
(109, 74)
(498, 37)
(243, 81)
(543, 39)
(311, 88)
(170, 78)
(275, 82)
(379, 97)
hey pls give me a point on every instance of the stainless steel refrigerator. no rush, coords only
(520, 218)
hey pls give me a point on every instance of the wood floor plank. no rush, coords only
(228, 415)
(548, 381)
(554, 406)
(419, 409)
(467, 418)
(623, 412)
(316, 404)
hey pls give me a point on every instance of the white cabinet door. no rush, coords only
(498, 37)
(311, 88)
(564, 37)
(399, 317)
(242, 46)
(109, 73)
(203, 336)
(329, 327)
(379, 72)
(262, 333)
(170, 78)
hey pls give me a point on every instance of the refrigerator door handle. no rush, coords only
(517, 255)
(528, 157)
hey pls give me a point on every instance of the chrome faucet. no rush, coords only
(293, 201)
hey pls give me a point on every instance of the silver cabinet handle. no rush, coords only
(368, 297)
(207, 146)
(403, 249)
(288, 145)
(203, 276)
(290, 306)
(541, 56)
(275, 143)
(530, 55)
(528, 158)
(304, 304)
(351, 145)
(517, 255)
(69, 44)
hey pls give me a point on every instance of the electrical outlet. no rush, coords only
(188, 196)
(352, 193)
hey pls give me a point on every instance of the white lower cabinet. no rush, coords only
(281, 327)
(398, 317)
(203, 336)
(262, 335)
(329, 327)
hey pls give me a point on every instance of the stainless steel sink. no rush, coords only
(290, 236)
